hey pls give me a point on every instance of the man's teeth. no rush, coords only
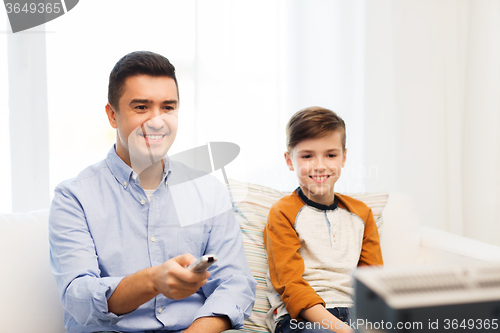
(154, 137)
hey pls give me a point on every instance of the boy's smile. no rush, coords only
(318, 163)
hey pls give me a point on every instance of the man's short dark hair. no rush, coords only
(137, 63)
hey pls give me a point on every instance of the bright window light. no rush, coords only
(5, 189)
(82, 48)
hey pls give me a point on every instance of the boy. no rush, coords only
(315, 237)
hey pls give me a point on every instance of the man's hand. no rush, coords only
(173, 280)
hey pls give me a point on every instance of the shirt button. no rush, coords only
(143, 202)
(160, 310)
(153, 239)
(134, 177)
(124, 183)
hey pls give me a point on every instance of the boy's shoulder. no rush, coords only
(288, 202)
(287, 206)
(354, 206)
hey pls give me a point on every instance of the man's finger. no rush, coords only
(185, 260)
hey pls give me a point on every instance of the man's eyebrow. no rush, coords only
(148, 101)
(140, 101)
(171, 101)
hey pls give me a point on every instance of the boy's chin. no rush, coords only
(320, 195)
(320, 190)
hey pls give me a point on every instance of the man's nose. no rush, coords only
(155, 121)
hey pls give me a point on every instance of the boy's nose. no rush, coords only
(319, 165)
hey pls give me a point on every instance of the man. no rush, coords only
(119, 241)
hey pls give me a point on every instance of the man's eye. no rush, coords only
(140, 107)
(168, 108)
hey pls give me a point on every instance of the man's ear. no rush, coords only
(288, 161)
(345, 155)
(111, 112)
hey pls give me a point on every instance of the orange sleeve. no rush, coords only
(286, 266)
(371, 253)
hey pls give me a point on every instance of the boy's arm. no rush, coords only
(286, 266)
(318, 314)
(371, 253)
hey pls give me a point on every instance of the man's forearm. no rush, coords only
(133, 291)
(209, 325)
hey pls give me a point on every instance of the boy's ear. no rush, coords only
(345, 155)
(288, 161)
(111, 112)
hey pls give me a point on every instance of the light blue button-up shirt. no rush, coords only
(102, 227)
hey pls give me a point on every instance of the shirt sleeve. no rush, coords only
(74, 264)
(286, 265)
(230, 290)
(371, 253)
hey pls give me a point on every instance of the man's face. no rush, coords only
(318, 163)
(146, 119)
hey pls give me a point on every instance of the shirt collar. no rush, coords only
(122, 172)
(316, 205)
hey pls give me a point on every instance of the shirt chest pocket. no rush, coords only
(194, 243)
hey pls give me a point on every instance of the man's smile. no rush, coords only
(153, 137)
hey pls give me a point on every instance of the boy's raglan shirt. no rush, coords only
(312, 249)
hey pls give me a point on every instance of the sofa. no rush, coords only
(29, 299)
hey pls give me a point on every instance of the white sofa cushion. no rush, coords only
(30, 301)
(400, 237)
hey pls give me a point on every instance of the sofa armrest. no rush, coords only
(442, 247)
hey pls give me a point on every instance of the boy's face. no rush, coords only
(146, 119)
(318, 163)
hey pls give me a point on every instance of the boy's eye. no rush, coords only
(332, 155)
(306, 156)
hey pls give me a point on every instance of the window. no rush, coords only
(5, 189)
(82, 48)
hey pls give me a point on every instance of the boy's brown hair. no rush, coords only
(313, 122)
